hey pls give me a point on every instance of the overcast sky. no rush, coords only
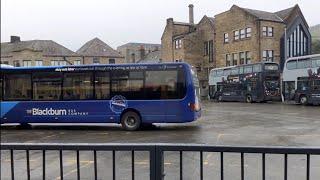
(73, 22)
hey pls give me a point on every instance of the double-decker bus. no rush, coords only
(295, 68)
(308, 90)
(130, 94)
(250, 83)
(216, 76)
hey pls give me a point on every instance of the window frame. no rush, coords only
(18, 99)
(77, 72)
(242, 33)
(236, 35)
(29, 63)
(35, 81)
(248, 33)
(226, 38)
(37, 61)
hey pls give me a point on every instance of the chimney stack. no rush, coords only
(191, 16)
(14, 39)
(142, 52)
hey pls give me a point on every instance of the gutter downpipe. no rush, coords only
(285, 59)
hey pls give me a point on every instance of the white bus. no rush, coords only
(297, 67)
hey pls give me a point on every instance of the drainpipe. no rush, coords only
(285, 59)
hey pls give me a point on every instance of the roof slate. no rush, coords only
(97, 47)
(48, 47)
(263, 15)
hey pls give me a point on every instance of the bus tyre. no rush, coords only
(303, 100)
(249, 98)
(130, 121)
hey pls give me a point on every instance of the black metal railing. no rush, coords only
(156, 157)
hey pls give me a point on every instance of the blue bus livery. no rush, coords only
(130, 94)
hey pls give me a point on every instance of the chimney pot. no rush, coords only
(14, 39)
(191, 15)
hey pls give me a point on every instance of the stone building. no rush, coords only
(191, 43)
(134, 52)
(152, 57)
(36, 53)
(50, 53)
(96, 51)
(245, 36)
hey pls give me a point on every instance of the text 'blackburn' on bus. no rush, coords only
(131, 94)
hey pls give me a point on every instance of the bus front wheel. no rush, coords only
(249, 98)
(131, 121)
(303, 100)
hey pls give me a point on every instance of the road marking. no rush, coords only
(74, 170)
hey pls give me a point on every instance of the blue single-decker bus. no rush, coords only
(130, 94)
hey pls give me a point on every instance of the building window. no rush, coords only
(242, 33)
(112, 61)
(5, 62)
(54, 62)
(242, 57)
(96, 60)
(228, 60)
(248, 32)
(235, 59)
(77, 62)
(236, 35)
(248, 57)
(39, 63)
(297, 43)
(267, 31)
(178, 44)
(27, 63)
(63, 63)
(226, 37)
(211, 51)
(205, 48)
(16, 63)
(268, 55)
(198, 68)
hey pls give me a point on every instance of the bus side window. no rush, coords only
(292, 65)
(102, 85)
(78, 86)
(164, 85)
(248, 69)
(128, 84)
(315, 62)
(241, 70)
(257, 68)
(17, 87)
(316, 85)
(46, 86)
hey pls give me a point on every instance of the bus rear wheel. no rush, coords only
(303, 100)
(130, 121)
(249, 98)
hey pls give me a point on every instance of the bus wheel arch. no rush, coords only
(131, 119)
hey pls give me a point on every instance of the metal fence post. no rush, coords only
(156, 163)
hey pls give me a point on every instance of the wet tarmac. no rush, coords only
(238, 124)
